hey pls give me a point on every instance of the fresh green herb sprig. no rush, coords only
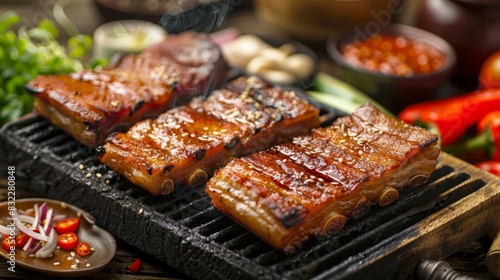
(30, 52)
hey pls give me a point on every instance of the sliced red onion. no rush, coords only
(35, 249)
(48, 248)
(27, 230)
(38, 243)
(48, 220)
(37, 216)
(49, 229)
(43, 211)
(29, 244)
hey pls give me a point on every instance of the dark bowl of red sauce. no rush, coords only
(398, 65)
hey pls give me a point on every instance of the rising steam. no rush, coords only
(202, 16)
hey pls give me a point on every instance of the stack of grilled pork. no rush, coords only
(167, 118)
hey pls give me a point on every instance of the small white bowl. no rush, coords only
(126, 36)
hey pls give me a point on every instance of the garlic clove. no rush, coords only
(274, 54)
(260, 63)
(287, 48)
(277, 76)
(301, 65)
(243, 49)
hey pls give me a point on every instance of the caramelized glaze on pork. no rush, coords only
(313, 185)
(186, 144)
(91, 104)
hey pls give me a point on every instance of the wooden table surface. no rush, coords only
(84, 15)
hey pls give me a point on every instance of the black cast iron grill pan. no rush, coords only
(186, 232)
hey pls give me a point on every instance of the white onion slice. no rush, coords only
(42, 232)
(49, 247)
(58, 218)
(26, 219)
(37, 217)
(4, 229)
(48, 220)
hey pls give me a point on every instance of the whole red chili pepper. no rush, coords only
(488, 138)
(491, 166)
(453, 115)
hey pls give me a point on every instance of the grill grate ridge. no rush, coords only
(242, 241)
(44, 134)
(228, 233)
(30, 126)
(256, 250)
(268, 258)
(54, 140)
(165, 206)
(214, 225)
(200, 219)
(190, 209)
(65, 147)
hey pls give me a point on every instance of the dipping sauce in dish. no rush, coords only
(393, 55)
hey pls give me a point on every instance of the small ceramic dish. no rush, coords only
(125, 37)
(99, 239)
(394, 92)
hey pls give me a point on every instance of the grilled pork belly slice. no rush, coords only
(313, 185)
(89, 105)
(186, 144)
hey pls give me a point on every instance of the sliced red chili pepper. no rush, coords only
(135, 266)
(7, 242)
(21, 239)
(67, 241)
(454, 115)
(491, 166)
(83, 249)
(67, 225)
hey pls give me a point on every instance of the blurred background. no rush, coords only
(470, 26)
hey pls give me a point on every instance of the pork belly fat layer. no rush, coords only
(89, 105)
(313, 185)
(186, 144)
